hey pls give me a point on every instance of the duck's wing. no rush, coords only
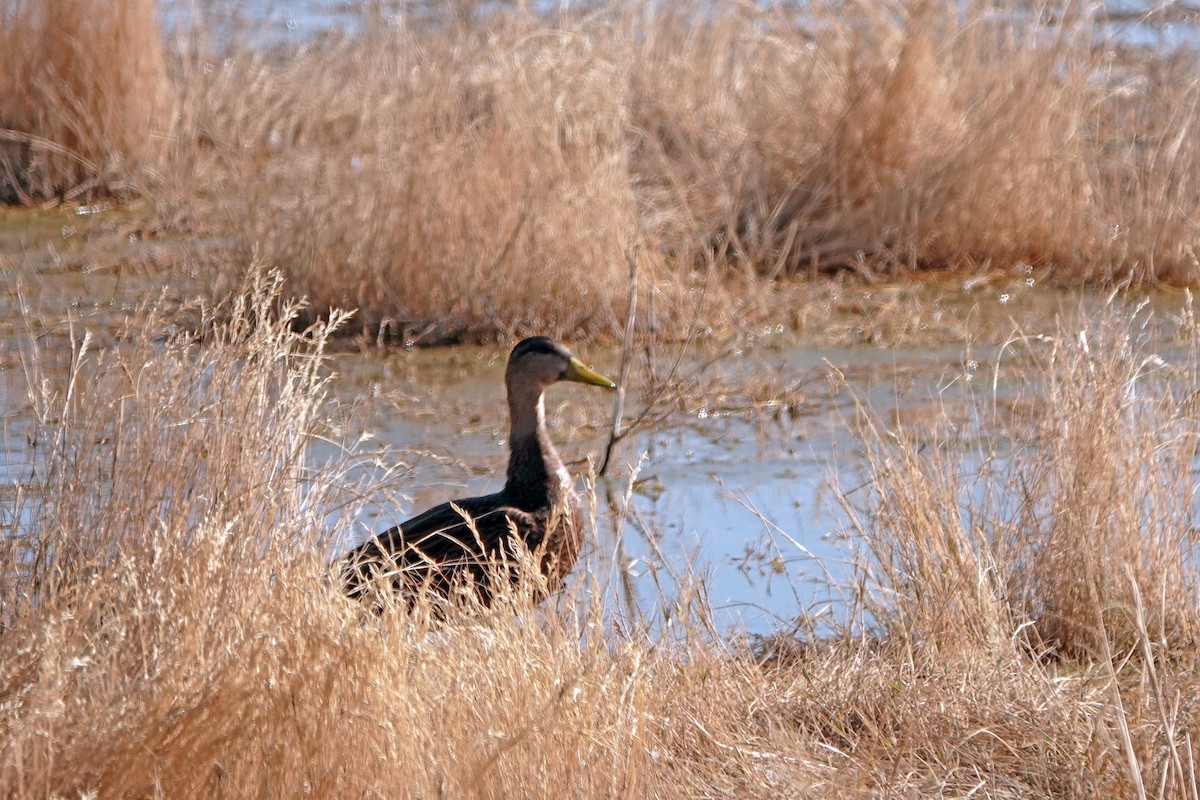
(437, 543)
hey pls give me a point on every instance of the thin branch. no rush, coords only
(614, 434)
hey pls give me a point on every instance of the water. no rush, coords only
(274, 21)
(1165, 26)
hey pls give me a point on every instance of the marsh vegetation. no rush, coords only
(733, 149)
(1021, 621)
(1016, 605)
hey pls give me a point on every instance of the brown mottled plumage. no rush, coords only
(536, 510)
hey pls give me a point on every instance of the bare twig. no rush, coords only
(615, 433)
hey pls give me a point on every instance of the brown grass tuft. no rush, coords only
(84, 102)
(423, 218)
(1055, 534)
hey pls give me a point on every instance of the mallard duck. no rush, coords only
(438, 551)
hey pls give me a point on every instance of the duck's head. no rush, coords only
(541, 361)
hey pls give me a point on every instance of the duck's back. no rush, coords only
(439, 549)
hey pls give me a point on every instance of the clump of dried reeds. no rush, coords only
(490, 188)
(924, 135)
(493, 172)
(1062, 526)
(1040, 560)
(85, 100)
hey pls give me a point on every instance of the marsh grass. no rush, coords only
(84, 100)
(1021, 623)
(1051, 515)
(476, 173)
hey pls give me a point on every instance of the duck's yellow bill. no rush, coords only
(580, 373)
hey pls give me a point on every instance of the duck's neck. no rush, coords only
(534, 469)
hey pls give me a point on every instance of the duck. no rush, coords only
(456, 550)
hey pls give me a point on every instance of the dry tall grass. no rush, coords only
(479, 172)
(84, 94)
(1055, 537)
(1024, 628)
